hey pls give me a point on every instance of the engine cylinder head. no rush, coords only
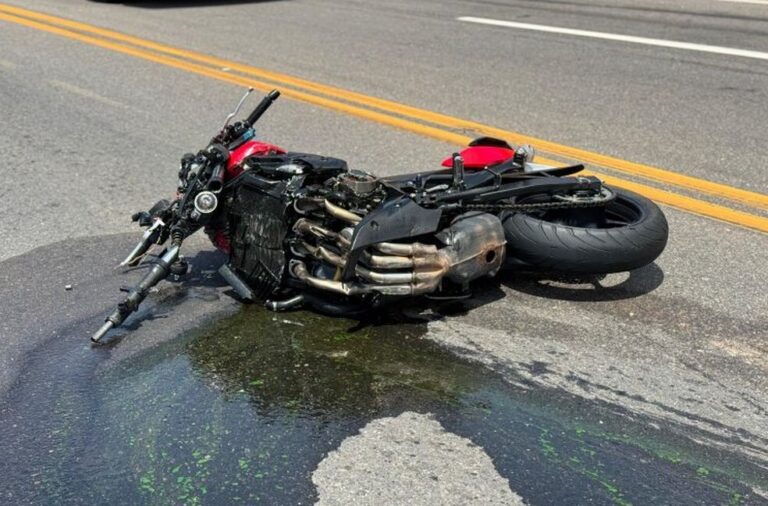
(359, 182)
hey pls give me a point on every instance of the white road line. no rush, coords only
(759, 55)
(758, 2)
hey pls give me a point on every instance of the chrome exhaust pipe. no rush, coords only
(299, 270)
(341, 213)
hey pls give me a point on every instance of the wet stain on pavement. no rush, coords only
(243, 411)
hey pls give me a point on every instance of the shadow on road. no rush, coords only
(592, 288)
(176, 4)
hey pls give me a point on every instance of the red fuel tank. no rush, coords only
(249, 148)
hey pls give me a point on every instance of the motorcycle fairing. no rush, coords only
(398, 218)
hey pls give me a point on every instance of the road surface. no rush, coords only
(661, 373)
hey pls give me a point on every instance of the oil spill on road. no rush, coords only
(243, 410)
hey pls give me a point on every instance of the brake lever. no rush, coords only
(149, 237)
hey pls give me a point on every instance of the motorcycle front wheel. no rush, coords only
(625, 233)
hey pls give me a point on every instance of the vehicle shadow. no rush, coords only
(549, 285)
(594, 288)
(177, 4)
(202, 269)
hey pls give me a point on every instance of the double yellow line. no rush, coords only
(423, 122)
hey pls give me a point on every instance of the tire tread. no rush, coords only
(546, 245)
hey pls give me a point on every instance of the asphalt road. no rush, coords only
(90, 135)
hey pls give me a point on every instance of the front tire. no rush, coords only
(627, 233)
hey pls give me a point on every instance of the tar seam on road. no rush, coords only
(431, 124)
(83, 92)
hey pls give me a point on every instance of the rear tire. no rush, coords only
(631, 232)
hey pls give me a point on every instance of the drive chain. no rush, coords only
(538, 206)
(532, 207)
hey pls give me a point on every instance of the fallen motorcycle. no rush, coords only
(302, 230)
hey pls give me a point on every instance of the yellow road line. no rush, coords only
(636, 169)
(692, 205)
(378, 117)
(685, 203)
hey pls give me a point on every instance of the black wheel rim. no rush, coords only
(620, 212)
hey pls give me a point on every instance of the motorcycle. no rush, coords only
(304, 230)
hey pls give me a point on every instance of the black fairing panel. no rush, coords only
(316, 165)
(490, 141)
(399, 218)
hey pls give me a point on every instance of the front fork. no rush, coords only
(138, 293)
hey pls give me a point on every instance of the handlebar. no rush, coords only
(178, 218)
(262, 107)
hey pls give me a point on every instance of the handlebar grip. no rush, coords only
(220, 157)
(216, 181)
(262, 107)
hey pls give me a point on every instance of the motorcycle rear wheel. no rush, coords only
(626, 233)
